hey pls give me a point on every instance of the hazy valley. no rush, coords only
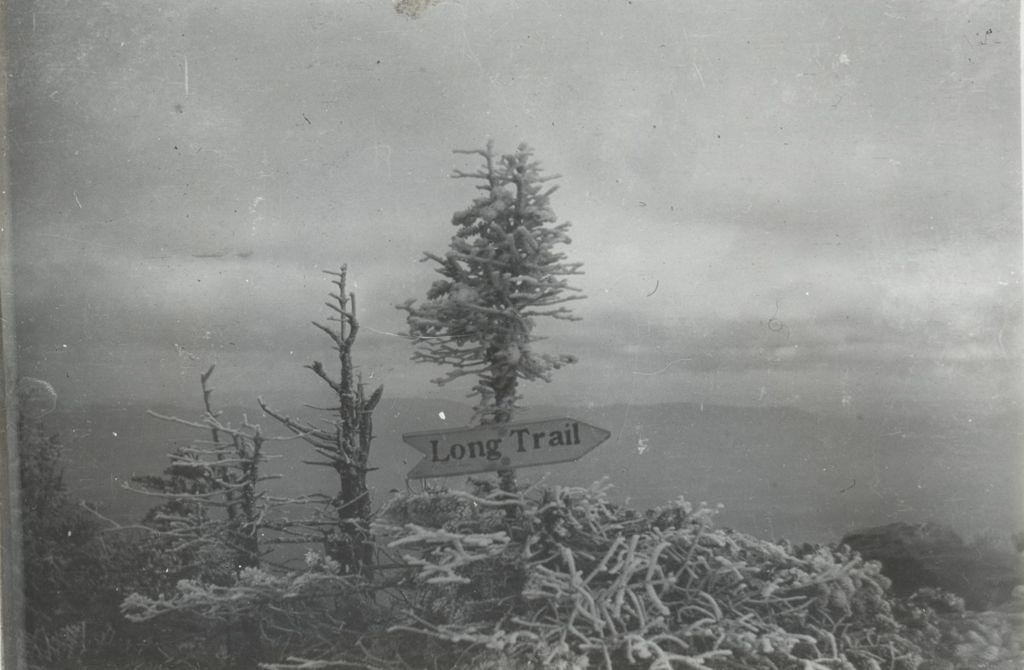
(778, 472)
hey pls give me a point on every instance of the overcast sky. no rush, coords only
(786, 203)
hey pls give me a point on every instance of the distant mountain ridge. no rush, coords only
(778, 471)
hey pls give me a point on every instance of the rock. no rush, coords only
(916, 556)
(909, 553)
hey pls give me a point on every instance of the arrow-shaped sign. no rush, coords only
(464, 451)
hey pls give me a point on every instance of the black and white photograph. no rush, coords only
(512, 335)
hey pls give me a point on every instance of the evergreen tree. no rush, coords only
(56, 531)
(501, 272)
(70, 575)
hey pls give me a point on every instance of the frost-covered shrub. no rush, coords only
(600, 586)
(952, 636)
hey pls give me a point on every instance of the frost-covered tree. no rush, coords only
(238, 543)
(342, 443)
(502, 271)
(212, 518)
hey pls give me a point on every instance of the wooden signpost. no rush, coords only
(507, 446)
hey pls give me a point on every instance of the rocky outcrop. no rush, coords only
(916, 556)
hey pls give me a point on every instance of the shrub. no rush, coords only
(573, 581)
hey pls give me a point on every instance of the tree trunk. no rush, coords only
(504, 387)
(352, 546)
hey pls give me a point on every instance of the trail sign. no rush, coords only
(464, 451)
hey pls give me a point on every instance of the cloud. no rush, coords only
(753, 209)
(811, 354)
